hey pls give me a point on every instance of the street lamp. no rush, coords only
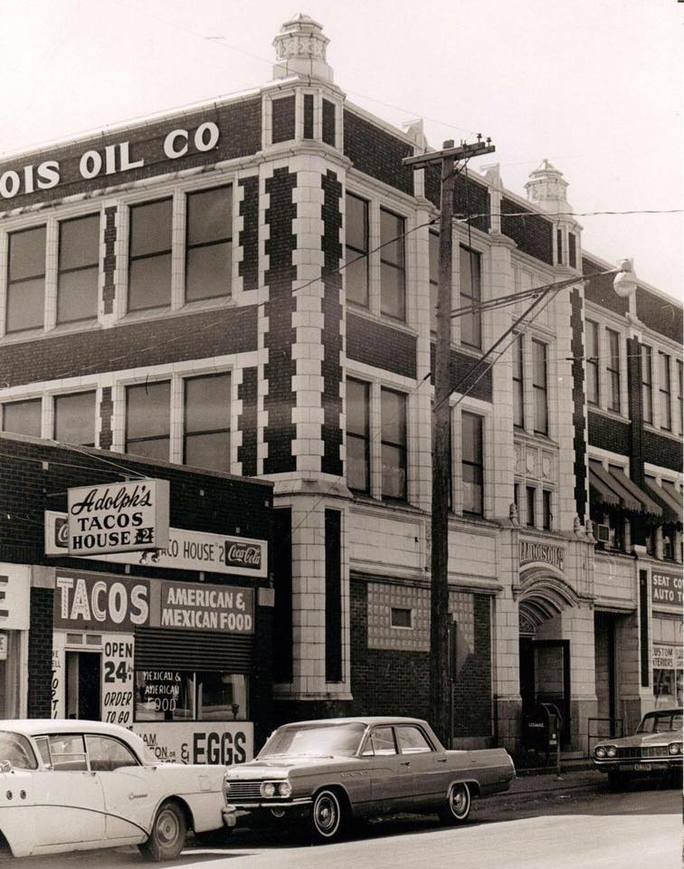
(624, 282)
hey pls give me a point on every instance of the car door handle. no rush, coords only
(441, 760)
(405, 763)
(137, 796)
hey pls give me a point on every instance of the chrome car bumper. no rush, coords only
(233, 811)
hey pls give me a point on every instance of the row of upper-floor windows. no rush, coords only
(200, 407)
(66, 259)
(530, 384)
(534, 505)
(662, 378)
(378, 454)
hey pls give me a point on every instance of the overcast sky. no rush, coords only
(595, 86)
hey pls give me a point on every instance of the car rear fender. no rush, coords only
(473, 785)
(5, 847)
(182, 802)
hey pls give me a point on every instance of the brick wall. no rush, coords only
(600, 290)
(470, 197)
(131, 345)
(331, 367)
(40, 653)
(380, 345)
(248, 394)
(659, 314)
(392, 682)
(280, 337)
(240, 134)
(249, 236)
(283, 119)
(533, 234)
(377, 153)
(109, 264)
(663, 451)
(578, 418)
(609, 434)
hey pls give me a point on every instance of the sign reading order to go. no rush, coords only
(118, 517)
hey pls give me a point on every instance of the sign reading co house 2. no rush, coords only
(118, 517)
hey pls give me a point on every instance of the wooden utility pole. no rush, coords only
(439, 587)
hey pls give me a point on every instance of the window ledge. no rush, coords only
(609, 414)
(351, 308)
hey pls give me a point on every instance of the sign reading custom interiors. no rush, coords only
(95, 601)
(187, 550)
(118, 517)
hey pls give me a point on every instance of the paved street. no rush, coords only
(574, 826)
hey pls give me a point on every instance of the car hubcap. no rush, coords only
(459, 800)
(167, 828)
(326, 815)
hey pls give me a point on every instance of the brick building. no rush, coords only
(249, 286)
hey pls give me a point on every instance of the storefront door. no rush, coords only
(545, 677)
(83, 679)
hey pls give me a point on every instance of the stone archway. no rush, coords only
(543, 595)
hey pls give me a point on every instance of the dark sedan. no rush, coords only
(654, 750)
(333, 770)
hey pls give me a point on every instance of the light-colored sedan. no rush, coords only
(333, 770)
(77, 785)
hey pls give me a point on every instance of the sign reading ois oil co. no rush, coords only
(119, 517)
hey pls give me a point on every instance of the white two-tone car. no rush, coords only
(78, 785)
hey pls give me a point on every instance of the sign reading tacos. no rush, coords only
(119, 517)
(96, 601)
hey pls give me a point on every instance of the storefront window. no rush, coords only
(172, 695)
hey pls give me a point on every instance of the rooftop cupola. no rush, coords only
(548, 189)
(300, 50)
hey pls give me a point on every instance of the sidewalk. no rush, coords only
(548, 783)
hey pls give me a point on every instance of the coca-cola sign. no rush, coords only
(186, 550)
(240, 554)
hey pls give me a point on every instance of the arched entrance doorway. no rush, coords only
(544, 653)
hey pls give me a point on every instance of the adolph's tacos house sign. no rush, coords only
(118, 517)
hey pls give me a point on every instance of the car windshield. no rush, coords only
(661, 722)
(16, 749)
(314, 741)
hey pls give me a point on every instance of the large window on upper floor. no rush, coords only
(392, 265)
(148, 420)
(472, 463)
(356, 249)
(184, 419)
(665, 391)
(518, 382)
(470, 296)
(78, 269)
(592, 355)
(149, 255)
(26, 280)
(613, 370)
(394, 445)
(647, 383)
(209, 237)
(74, 418)
(358, 435)
(540, 386)
(22, 417)
(206, 438)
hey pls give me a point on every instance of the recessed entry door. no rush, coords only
(83, 681)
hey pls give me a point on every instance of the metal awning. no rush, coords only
(672, 511)
(649, 505)
(601, 494)
(609, 482)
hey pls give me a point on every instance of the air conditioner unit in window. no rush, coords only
(601, 533)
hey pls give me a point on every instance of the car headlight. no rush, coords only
(675, 748)
(268, 789)
(284, 789)
(611, 751)
(600, 751)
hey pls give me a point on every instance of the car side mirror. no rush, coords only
(6, 766)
